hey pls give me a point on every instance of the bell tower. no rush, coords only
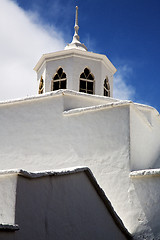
(75, 68)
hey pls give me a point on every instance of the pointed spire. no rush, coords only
(76, 20)
(75, 41)
(76, 27)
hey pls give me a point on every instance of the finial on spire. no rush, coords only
(76, 19)
(75, 42)
(76, 27)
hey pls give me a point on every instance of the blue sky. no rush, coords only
(127, 31)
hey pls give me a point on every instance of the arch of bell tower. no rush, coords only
(74, 59)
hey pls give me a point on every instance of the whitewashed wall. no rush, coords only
(144, 193)
(8, 187)
(37, 135)
(145, 138)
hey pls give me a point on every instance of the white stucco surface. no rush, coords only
(7, 198)
(145, 138)
(146, 184)
(68, 129)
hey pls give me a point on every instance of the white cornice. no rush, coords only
(74, 52)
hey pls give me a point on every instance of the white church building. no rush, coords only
(60, 148)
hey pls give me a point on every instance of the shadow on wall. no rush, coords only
(62, 207)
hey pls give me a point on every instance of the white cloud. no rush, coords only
(121, 89)
(23, 39)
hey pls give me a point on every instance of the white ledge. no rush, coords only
(33, 97)
(37, 174)
(98, 107)
(145, 173)
(57, 93)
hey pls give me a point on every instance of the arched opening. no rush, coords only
(106, 87)
(59, 80)
(41, 86)
(86, 84)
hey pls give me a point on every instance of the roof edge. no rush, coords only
(55, 93)
(96, 108)
(145, 173)
(71, 52)
(38, 174)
